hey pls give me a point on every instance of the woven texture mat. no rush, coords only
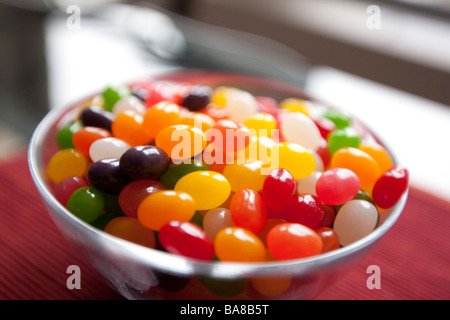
(413, 257)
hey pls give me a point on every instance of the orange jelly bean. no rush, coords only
(181, 141)
(162, 207)
(160, 116)
(380, 155)
(130, 229)
(85, 136)
(358, 161)
(128, 126)
(235, 244)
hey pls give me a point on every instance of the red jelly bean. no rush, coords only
(330, 239)
(390, 186)
(186, 239)
(337, 186)
(64, 189)
(248, 210)
(278, 189)
(287, 241)
(306, 209)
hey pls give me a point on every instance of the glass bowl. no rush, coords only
(137, 272)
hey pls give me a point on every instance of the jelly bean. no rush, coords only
(130, 229)
(86, 203)
(85, 136)
(270, 223)
(296, 105)
(64, 189)
(325, 126)
(102, 221)
(161, 91)
(271, 286)
(379, 154)
(219, 95)
(330, 239)
(235, 244)
(261, 124)
(181, 142)
(160, 116)
(294, 158)
(242, 176)
(107, 175)
(298, 128)
(161, 207)
(112, 94)
(176, 171)
(278, 188)
(130, 103)
(65, 133)
(186, 239)
(144, 162)
(267, 105)
(339, 118)
(197, 119)
(128, 126)
(329, 215)
(229, 136)
(208, 188)
(305, 209)
(390, 187)
(288, 241)
(216, 159)
(215, 112)
(341, 138)
(66, 163)
(308, 184)
(107, 148)
(135, 192)
(355, 220)
(241, 105)
(248, 210)
(356, 160)
(225, 288)
(337, 186)
(95, 116)
(215, 220)
(197, 98)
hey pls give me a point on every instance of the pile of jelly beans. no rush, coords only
(220, 174)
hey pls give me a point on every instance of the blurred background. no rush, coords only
(387, 62)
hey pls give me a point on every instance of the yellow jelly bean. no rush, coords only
(245, 176)
(66, 163)
(292, 157)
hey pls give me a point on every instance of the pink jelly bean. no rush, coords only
(186, 239)
(390, 186)
(337, 186)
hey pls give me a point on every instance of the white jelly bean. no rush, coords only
(129, 103)
(241, 105)
(308, 185)
(355, 220)
(107, 148)
(298, 128)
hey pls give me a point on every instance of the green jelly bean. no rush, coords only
(225, 288)
(64, 134)
(112, 94)
(176, 171)
(342, 138)
(340, 119)
(86, 203)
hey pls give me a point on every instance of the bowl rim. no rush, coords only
(183, 265)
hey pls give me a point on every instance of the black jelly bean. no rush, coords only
(197, 98)
(144, 162)
(97, 117)
(106, 175)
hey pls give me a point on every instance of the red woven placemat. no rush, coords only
(413, 257)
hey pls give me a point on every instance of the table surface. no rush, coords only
(413, 256)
